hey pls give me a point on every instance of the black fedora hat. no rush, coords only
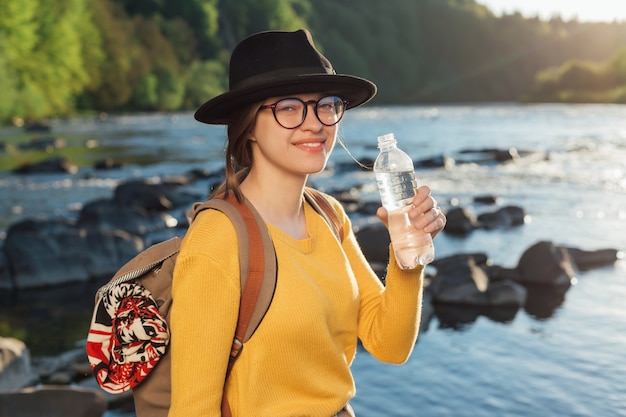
(277, 63)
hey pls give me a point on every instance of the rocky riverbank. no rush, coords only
(53, 252)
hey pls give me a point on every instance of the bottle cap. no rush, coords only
(386, 139)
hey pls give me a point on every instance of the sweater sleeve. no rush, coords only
(389, 315)
(205, 293)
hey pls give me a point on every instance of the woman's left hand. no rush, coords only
(425, 213)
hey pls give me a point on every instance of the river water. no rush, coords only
(566, 360)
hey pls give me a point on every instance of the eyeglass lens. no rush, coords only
(291, 112)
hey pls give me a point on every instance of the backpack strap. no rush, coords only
(258, 266)
(258, 272)
(321, 204)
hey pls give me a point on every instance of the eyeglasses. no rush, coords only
(291, 112)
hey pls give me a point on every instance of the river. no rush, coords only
(566, 361)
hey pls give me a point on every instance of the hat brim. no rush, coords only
(355, 90)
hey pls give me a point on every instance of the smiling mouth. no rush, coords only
(310, 144)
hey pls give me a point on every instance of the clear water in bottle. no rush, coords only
(411, 246)
(396, 182)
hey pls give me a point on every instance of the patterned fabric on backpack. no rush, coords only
(123, 350)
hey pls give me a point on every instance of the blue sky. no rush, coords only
(585, 10)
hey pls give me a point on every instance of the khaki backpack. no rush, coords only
(128, 338)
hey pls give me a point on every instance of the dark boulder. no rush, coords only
(107, 164)
(586, 260)
(51, 252)
(46, 144)
(154, 197)
(542, 300)
(517, 215)
(487, 155)
(463, 279)
(439, 161)
(51, 165)
(139, 194)
(500, 273)
(37, 127)
(459, 222)
(6, 281)
(508, 216)
(486, 199)
(493, 220)
(105, 214)
(53, 401)
(374, 241)
(547, 264)
(505, 155)
(458, 317)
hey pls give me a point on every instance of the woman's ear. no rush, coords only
(251, 136)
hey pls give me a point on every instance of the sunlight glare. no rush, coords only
(583, 10)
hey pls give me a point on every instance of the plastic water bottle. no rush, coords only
(395, 177)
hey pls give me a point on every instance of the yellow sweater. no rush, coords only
(297, 363)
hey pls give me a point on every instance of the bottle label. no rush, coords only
(395, 187)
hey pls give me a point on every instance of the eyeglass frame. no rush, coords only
(305, 104)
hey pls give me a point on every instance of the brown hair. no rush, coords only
(238, 150)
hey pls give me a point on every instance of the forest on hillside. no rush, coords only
(78, 56)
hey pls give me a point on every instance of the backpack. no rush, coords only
(128, 336)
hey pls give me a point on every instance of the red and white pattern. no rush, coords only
(127, 337)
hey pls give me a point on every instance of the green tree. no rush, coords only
(200, 15)
(18, 39)
(618, 66)
(171, 90)
(583, 81)
(8, 83)
(120, 55)
(182, 38)
(381, 42)
(145, 95)
(238, 19)
(114, 87)
(204, 80)
(44, 44)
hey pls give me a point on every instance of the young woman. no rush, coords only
(282, 111)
